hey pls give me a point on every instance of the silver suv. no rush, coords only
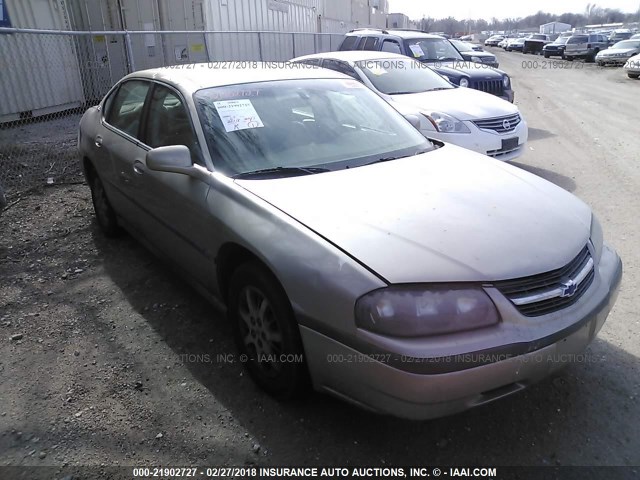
(585, 46)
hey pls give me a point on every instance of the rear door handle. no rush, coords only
(98, 141)
(138, 167)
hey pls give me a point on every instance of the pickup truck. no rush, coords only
(535, 43)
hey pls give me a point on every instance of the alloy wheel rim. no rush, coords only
(259, 329)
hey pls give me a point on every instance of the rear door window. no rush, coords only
(126, 110)
(370, 43)
(349, 43)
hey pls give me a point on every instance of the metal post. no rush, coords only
(293, 38)
(260, 46)
(129, 47)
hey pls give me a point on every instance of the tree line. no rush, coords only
(593, 14)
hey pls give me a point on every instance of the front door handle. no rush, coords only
(138, 167)
(98, 141)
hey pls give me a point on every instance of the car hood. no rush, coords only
(477, 71)
(616, 51)
(462, 103)
(449, 215)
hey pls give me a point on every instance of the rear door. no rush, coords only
(119, 145)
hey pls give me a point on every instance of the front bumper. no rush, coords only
(393, 387)
(612, 60)
(486, 142)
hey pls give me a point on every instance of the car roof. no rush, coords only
(405, 34)
(196, 76)
(352, 56)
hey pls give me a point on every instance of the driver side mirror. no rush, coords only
(172, 159)
(413, 120)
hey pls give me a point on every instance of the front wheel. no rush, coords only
(570, 59)
(266, 332)
(633, 75)
(546, 55)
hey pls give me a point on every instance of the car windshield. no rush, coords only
(538, 37)
(395, 77)
(462, 46)
(627, 44)
(621, 36)
(561, 40)
(432, 49)
(578, 39)
(293, 125)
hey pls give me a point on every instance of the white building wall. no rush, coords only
(44, 76)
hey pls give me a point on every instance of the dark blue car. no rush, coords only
(436, 51)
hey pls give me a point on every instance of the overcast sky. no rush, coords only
(463, 9)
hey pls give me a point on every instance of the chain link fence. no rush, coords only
(49, 78)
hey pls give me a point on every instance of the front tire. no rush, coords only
(633, 75)
(266, 332)
(106, 216)
(546, 55)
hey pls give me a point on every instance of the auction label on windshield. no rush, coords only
(238, 115)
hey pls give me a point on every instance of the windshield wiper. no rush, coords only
(282, 170)
(439, 88)
(389, 159)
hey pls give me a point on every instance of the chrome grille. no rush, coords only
(539, 294)
(500, 124)
(494, 87)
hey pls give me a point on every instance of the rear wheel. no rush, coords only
(568, 58)
(105, 214)
(633, 75)
(266, 332)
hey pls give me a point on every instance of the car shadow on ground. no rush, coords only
(560, 180)
(539, 134)
(539, 426)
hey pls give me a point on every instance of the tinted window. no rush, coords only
(341, 67)
(312, 61)
(578, 39)
(126, 111)
(391, 46)
(168, 122)
(349, 43)
(371, 43)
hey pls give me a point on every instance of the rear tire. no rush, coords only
(633, 75)
(106, 216)
(265, 330)
(570, 59)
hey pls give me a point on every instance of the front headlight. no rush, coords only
(506, 81)
(414, 311)
(597, 238)
(464, 82)
(446, 123)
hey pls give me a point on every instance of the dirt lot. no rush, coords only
(103, 352)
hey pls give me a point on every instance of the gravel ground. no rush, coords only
(106, 358)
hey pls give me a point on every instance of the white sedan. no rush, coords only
(632, 67)
(466, 117)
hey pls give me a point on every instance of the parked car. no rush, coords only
(619, 53)
(619, 35)
(535, 43)
(585, 46)
(555, 48)
(635, 37)
(471, 54)
(493, 41)
(515, 44)
(435, 51)
(503, 42)
(632, 67)
(339, 237)
(468, 118)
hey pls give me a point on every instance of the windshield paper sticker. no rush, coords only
(417, 50)
(238, 115)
